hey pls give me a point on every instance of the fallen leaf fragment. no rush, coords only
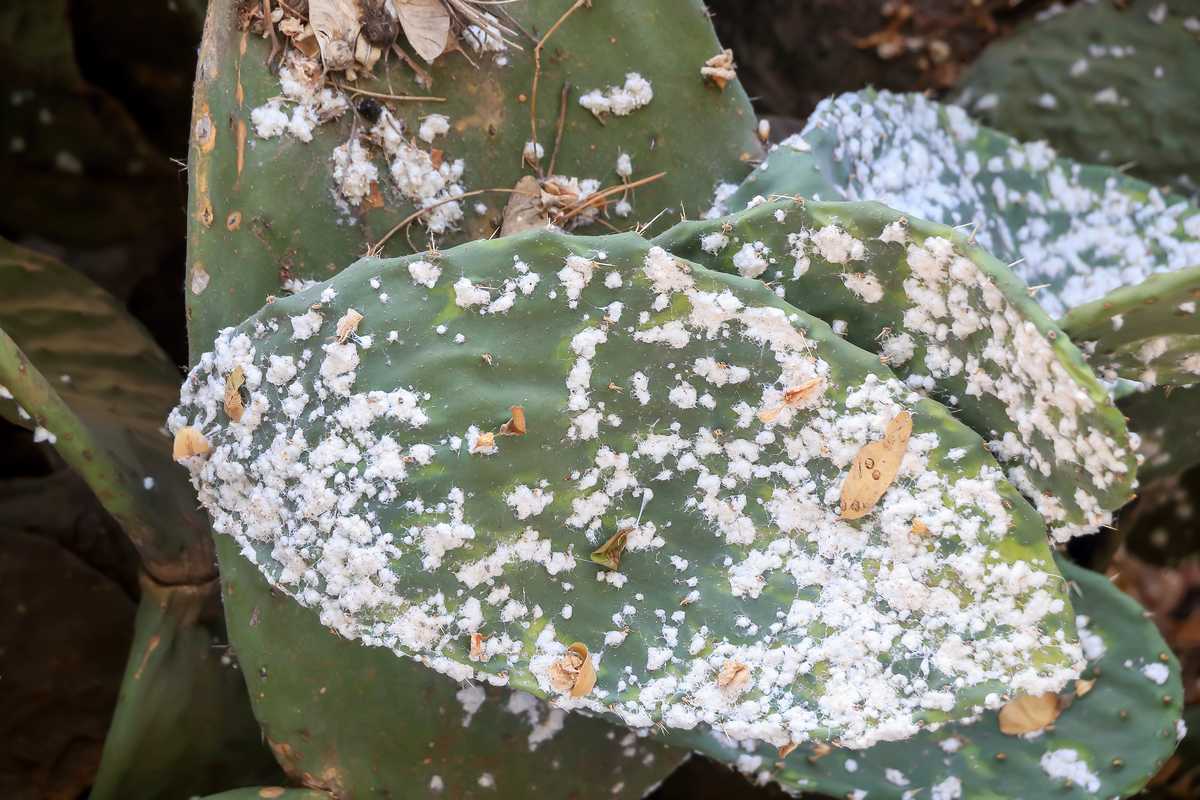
(574, 672)
(609, 553)
(476, 651)
(337, 24)
(733, 676)
(787, 749)
(347, 325)
(1028, 713)
(426, 25)
(875, 467)
(484, 443)
(189, 442)
(720, 69)
(235, 404)
(919, 528)
(524, 209)
(820, 750)
(795, 398)
(1083, 686)
(516, 423)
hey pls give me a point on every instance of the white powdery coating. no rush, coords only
(434, 186)
(353, 171)
(949, 789)
(433, 126)
(1066, 765)
(713, 242)
(619, 100)
(424, 273)
(1083, 239)
(751, 260)
(1159, 673)
(865, 285)
(302, 81)
(347, 489)
(306, 324)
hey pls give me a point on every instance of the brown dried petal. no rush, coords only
(476, 651)
(609, 553)
(516, 423)
(189, 442)
(347, 325)
(235, 404)
(574, 673)
(733, 676)
(1028, 713)
(875, 467)
(426, 25)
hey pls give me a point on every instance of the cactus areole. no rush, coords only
(437, 478)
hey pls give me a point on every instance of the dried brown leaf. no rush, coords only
(516, 423)
(574, 673)
(347, 325)
(484, 443)
(919, 528)
(336, 24)
(1028, 713)
(426, 25)
(524, 209)
(875, 467)
(733, 676)
(787, 749)
(609, 553)
(189, 442)
(235, 404)
(795, 398)
(1083, 686)
(476, 651)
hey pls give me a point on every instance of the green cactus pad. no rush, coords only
(1148, 332)
(1167, 418)
(1076, 233)
(182, 726)
(87, 378)
(264, 210)
(371, 724)
(1107, 743)
(1109, 83)
(951, 320)
(371, 479)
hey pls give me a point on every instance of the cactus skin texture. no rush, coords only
(431, 736)
(1124, 728)
(899, 306)
(271, 793)
(1148, 332)
(262, 210)
(497, 538)
(1102, 84)
(1168, 420)
(1084, 236)
(88, 375)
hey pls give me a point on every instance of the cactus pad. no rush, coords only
(431, 478)
(1107, 83)
(426, 731)
(267, 206)
(950, 320)
(1121, 725)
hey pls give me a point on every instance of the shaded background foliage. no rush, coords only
(93, 133)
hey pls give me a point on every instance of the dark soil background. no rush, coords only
(62, 558)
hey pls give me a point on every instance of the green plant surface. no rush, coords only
(1149, 332)
(1159, 528)
(951, 320)
(1167, 418)
(271, 793)
(1085, 238)
(87, 378)
(263, 210)
(316, 696)
(693, 413)
(1107, 743)
(1109, 83)
(182, 726)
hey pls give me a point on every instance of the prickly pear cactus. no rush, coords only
(87, 378)
(1108, 83)
(1114, 729)
(466, 740)
(1075, 233)
(425, 451)
(293, 174)
(950, 320)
